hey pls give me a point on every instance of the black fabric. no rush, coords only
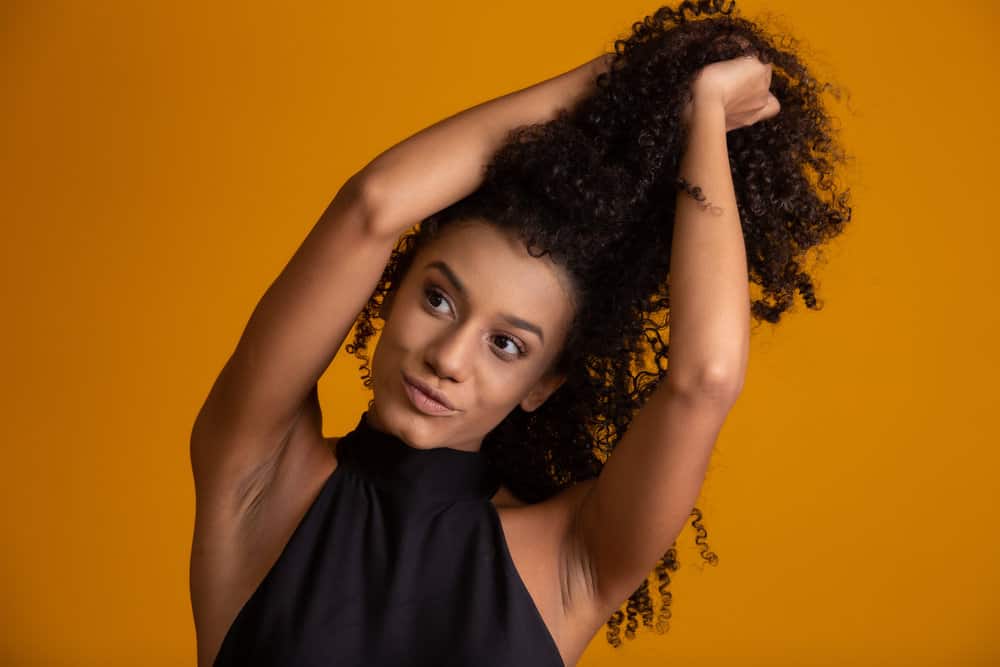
(400, 560)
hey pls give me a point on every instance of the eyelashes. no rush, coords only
(431, 292)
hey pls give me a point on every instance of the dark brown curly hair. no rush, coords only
(595, 189)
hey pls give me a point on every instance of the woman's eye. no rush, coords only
(514, 349)
(431, 295)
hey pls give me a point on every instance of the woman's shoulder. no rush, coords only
(504, 498)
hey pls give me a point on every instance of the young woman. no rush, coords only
(477, 515)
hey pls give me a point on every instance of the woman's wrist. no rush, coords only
(702, 102)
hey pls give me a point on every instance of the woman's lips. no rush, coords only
(425, 403)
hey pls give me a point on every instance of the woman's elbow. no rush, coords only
(719, 381)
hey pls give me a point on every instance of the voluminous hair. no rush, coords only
(594, 189)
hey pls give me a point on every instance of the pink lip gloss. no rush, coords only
(423, 402)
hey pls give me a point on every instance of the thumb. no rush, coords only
(771, 107)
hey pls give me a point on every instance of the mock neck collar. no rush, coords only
(435, 474)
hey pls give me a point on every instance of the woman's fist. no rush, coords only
(741, 86)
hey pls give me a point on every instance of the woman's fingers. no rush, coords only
(742, 85)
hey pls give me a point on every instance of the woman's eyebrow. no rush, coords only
(513, 320)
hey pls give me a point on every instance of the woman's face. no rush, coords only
(479, 320)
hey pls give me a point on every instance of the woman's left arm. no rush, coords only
(637, 506)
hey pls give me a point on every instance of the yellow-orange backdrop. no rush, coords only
(162, 161)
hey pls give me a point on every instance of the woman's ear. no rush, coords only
(541, 392)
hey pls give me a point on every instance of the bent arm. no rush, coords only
(240, 437)
(643, 495)
(443, 163)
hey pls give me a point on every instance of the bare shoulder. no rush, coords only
(548, 555)
(235, 543)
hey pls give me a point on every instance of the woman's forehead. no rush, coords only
(486, 265)
(485, 254)
(476, 237)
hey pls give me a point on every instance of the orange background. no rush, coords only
(162, 161)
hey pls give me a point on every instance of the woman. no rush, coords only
(474, 515)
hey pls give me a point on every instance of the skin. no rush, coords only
(460, 344)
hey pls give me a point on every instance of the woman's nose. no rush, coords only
(449, 354)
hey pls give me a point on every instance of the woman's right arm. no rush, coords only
(304, 317)
(445, 162)
(291, 337)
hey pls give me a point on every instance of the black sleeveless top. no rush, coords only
(401, 560)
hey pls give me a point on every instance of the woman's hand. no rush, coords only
(741, 86)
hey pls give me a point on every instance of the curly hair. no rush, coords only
(595, 189)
